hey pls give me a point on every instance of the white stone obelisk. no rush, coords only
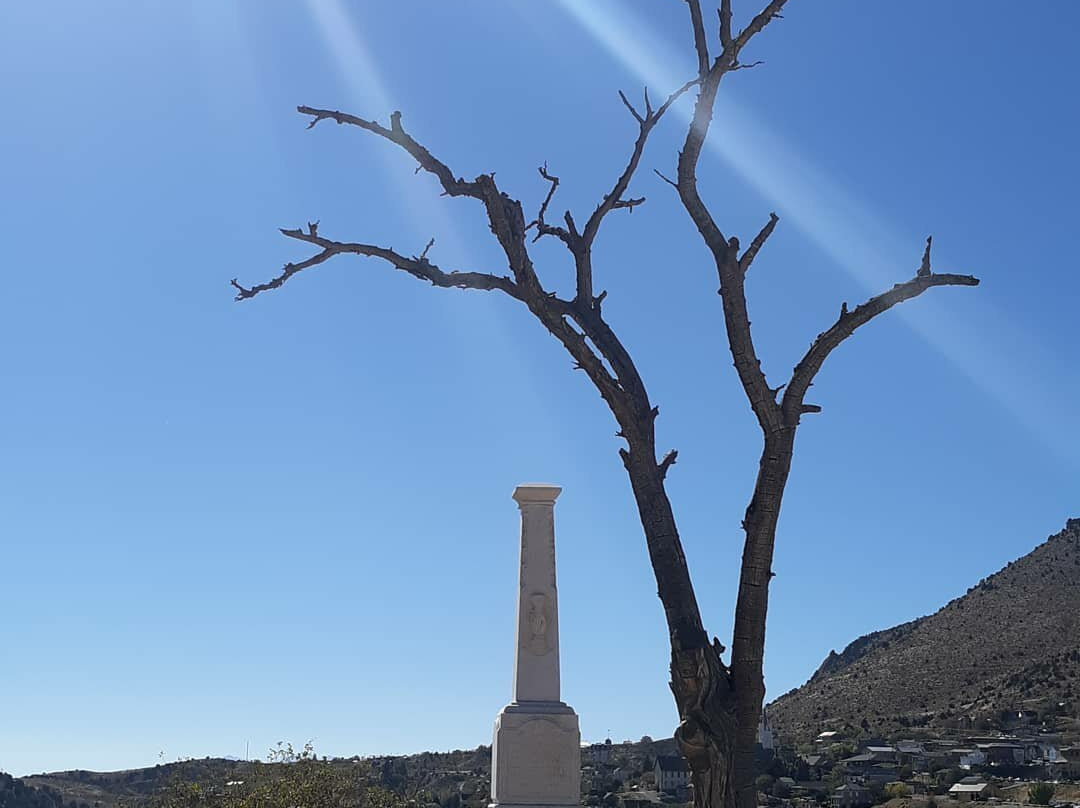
(536, 754)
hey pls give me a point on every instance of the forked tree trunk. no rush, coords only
(719, 708)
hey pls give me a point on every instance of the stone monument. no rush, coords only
(536, 754)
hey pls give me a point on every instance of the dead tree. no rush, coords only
(719, 704)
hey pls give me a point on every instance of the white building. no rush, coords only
(672, 772)
(764, 731)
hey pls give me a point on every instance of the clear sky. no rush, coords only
(232, 523)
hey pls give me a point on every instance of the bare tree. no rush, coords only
(719, 704)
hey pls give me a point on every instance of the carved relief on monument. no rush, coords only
(536, 638)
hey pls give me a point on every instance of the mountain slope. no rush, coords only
(1013, 641)
(15, 794)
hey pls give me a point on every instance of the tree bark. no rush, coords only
(748, 647)
(700, 681)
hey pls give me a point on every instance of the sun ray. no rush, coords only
(840, 225)
(338, 29)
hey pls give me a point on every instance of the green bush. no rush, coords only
(1041, 793)
(288, 780)
(893, 790)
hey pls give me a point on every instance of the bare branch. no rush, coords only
(767, 15)
(671, 99)
(629, 204)
(505, 216)
(687, 168)
(741, 344)
(428, 246)
(629, 106)
(924, 268)
(614, 199)
(725, 23)
(701, 44)
(666, 179)
(396, 134)
(730, 269)
(725, 255)
(245, 292)
(580, 243)
(542, 227)
(568, 217)
(418, 267)
(756, 245)
(845, 325)
(667, 462)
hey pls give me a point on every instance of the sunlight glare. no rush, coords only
(840, 225)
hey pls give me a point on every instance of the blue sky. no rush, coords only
(227, 524)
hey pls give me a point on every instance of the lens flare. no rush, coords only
(843, 228)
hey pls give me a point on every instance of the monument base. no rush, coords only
(536, 756)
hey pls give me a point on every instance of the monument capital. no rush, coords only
(537, 494)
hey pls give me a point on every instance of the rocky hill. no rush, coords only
(1011, 643)
(16, 794)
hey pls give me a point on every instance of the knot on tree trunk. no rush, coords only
(702, 687)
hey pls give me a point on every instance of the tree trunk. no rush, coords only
(748, 648)
(707, 731)
(700, 681)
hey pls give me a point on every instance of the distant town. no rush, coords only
(1025, 758)
(1019, 764)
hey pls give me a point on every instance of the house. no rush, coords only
(916, 786)
(815, 765)
(970, 757)
(672, 773)
(972, 788)
(851, 795)
(881, 773)
(967, 791)
(1003, 754)
(935, 759)
(1067, 765)
(881, 754)
(639, 799)
(1048, 751)
(827, 737)
(911, 753)
(857, 764)
(909, 748)
(598, 752)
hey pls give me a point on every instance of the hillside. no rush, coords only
(16, 794)
(85, 789)
(1012, 642)
(458, 779)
